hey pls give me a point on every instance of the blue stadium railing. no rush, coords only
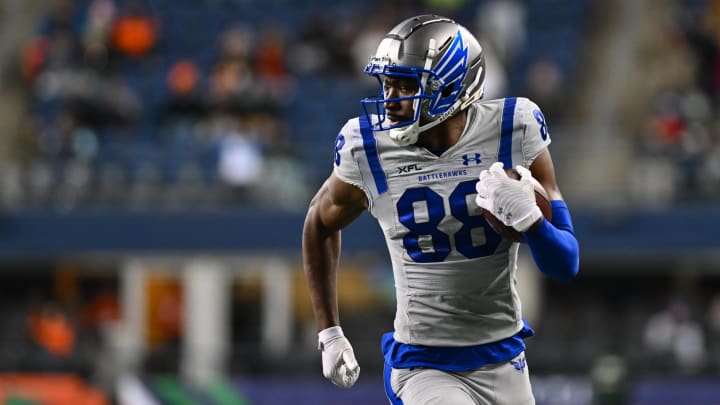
(642, 235)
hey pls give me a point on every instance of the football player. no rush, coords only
(425, 159)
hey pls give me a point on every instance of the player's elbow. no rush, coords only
(567, 263)
(566, 273)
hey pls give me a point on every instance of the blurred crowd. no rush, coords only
(678, 140)
(123, 117)
(179, 105)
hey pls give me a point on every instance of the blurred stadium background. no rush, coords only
(157, 157)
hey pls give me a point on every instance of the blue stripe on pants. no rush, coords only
(394, 400)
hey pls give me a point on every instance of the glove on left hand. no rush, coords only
(510, 200)
(338, 358)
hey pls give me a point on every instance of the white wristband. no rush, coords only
(525, 223)
(328, 334)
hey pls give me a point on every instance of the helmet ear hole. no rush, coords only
(448, 90)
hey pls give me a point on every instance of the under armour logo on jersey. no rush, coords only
(467, 159)
(520, 364)
(339, 143)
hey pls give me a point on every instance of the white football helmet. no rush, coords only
(446, 60)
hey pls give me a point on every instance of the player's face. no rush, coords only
(397, 87)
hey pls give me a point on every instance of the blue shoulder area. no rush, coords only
(506, 132)
(371, 153)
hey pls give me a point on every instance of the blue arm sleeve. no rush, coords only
(553, 244)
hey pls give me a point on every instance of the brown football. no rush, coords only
(541, 199)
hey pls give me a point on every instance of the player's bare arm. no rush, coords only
(335, 206)
(543, 170)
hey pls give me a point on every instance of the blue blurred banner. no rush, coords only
(648, 234)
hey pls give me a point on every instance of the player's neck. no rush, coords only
(444, 135)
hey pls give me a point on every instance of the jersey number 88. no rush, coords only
(441, 241)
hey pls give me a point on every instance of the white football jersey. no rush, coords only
(454, 276)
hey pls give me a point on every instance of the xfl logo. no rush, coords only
(409, 168)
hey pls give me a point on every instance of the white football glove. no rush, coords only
(510, 200)
(338, 358)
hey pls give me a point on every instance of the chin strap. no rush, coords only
(408, 135)
(405, 136)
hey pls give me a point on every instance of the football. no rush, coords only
(541, 199)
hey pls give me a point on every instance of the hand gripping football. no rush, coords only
(541, 199)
